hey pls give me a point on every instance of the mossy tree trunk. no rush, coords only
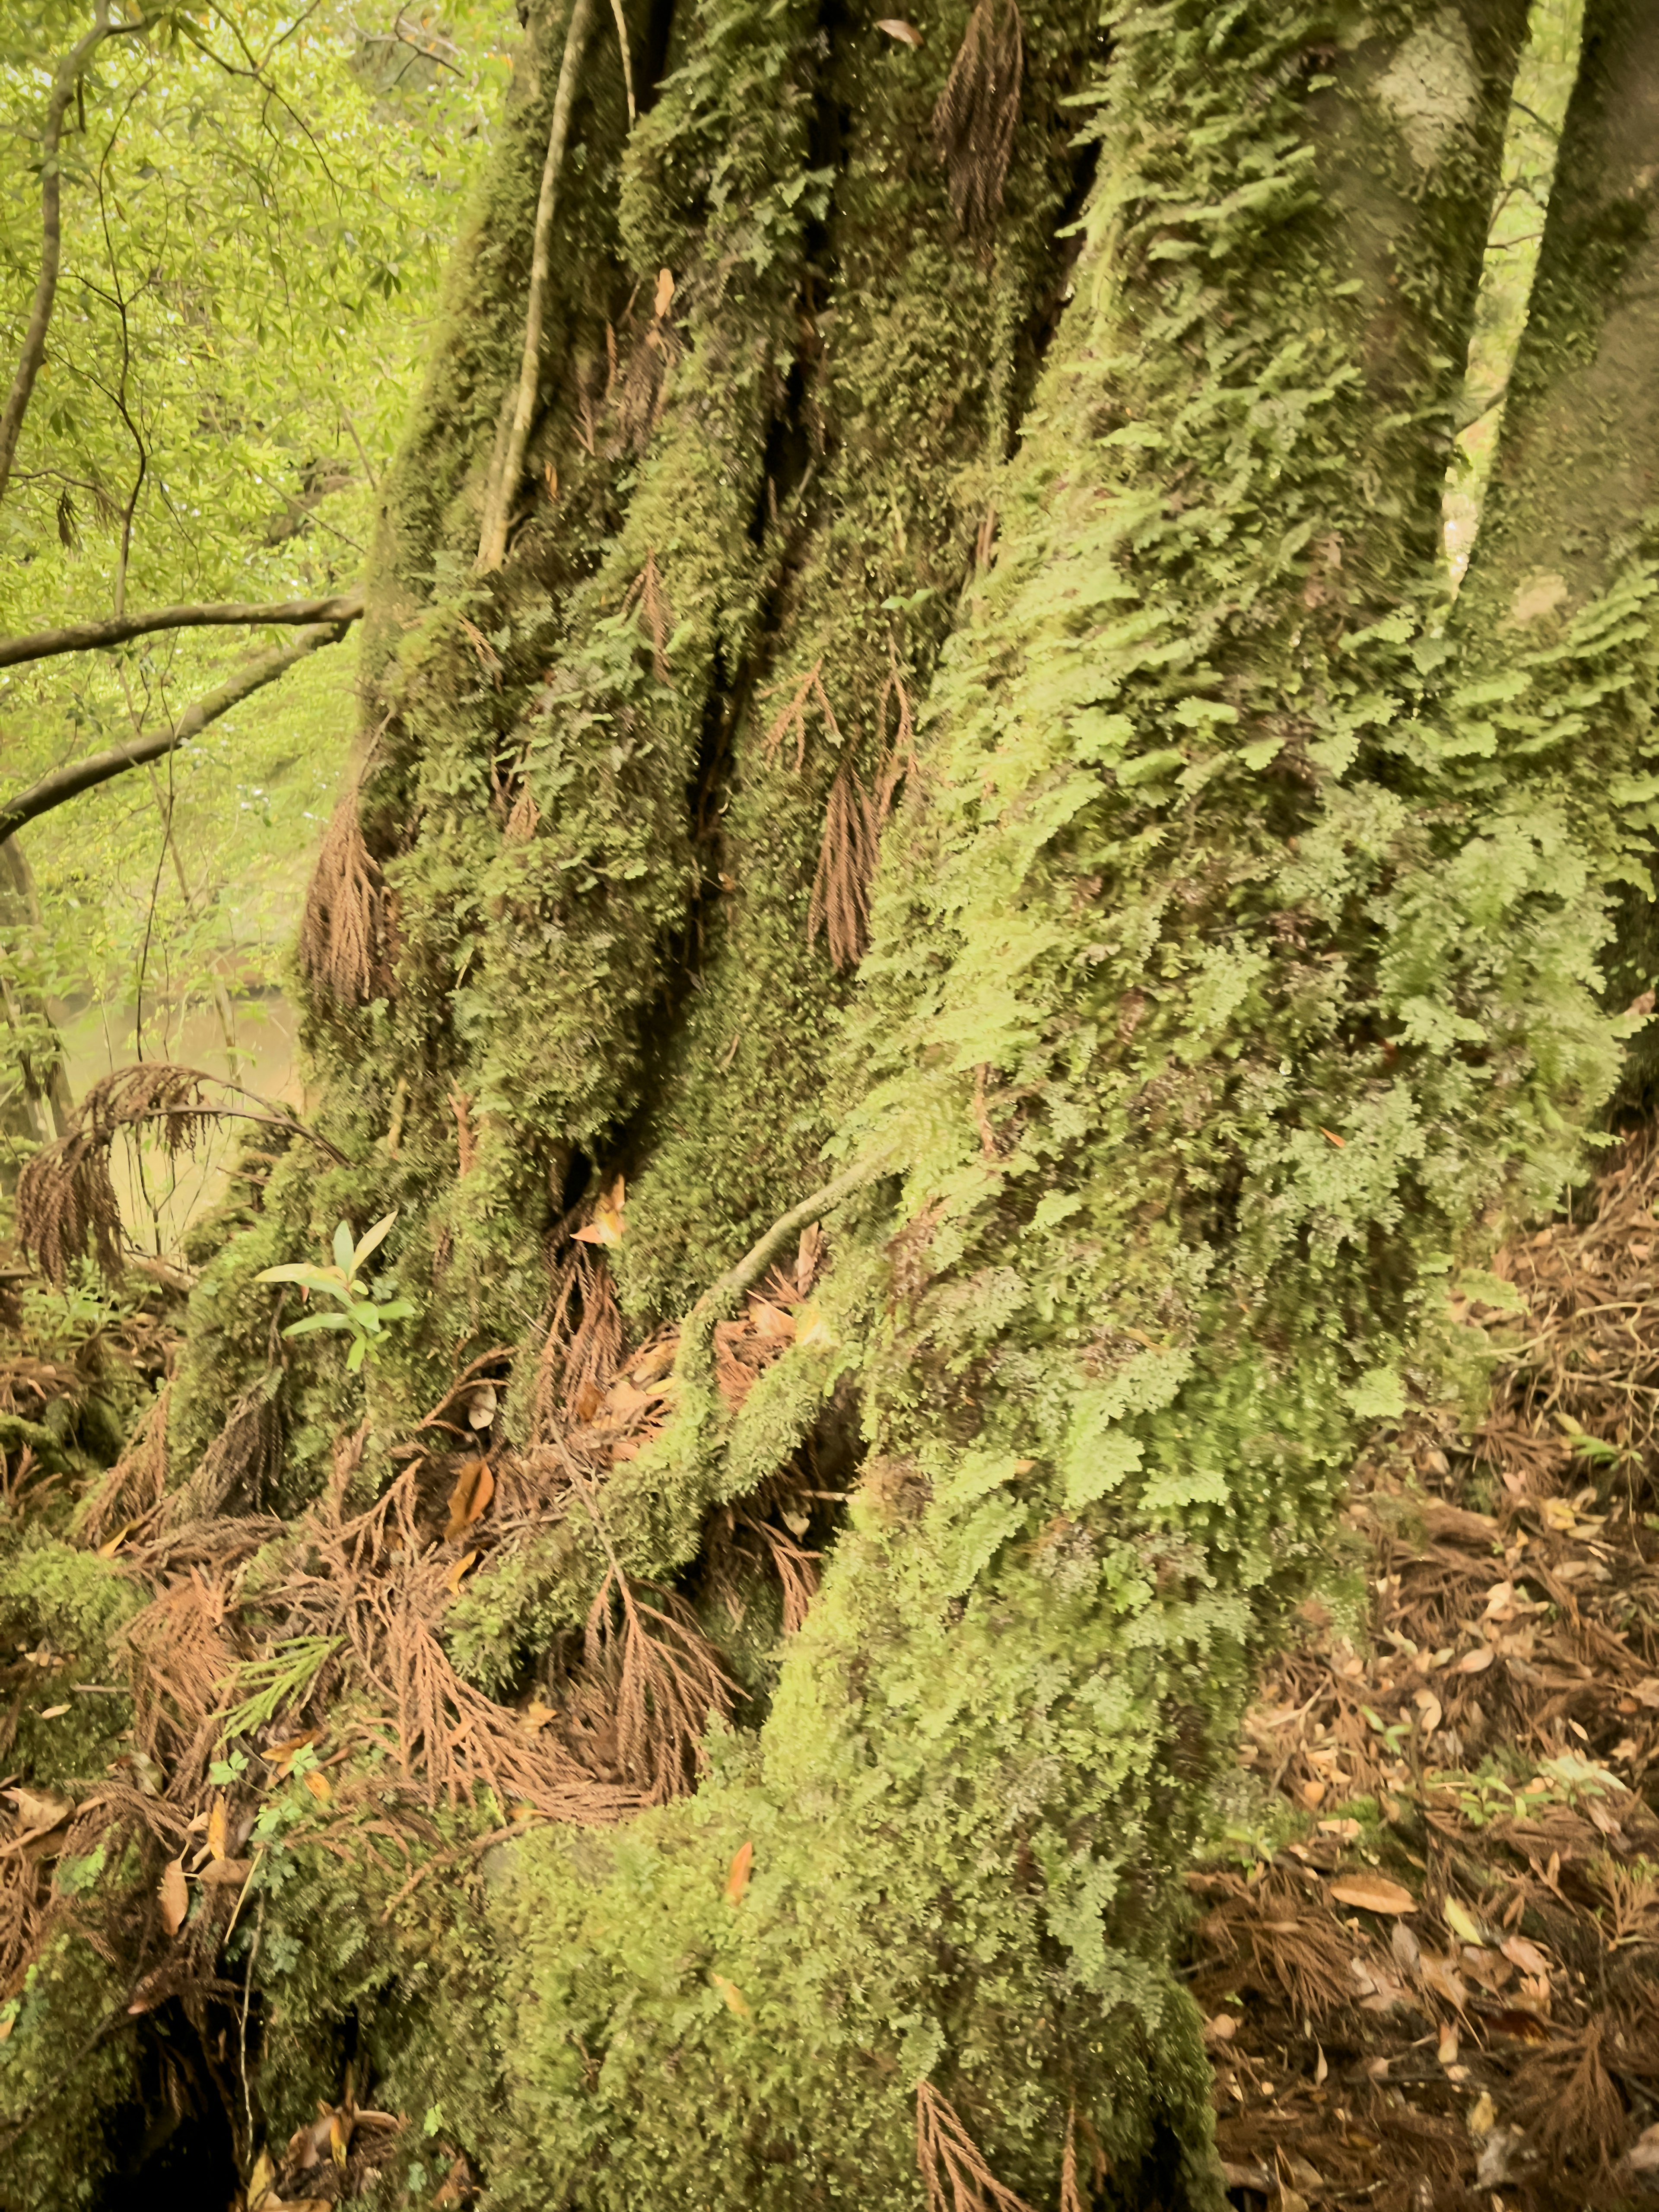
(1228, 981)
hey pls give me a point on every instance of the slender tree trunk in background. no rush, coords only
(39, 1106)
(1228, 980)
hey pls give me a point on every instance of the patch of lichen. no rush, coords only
(61, 1612)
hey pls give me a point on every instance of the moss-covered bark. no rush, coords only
(1231, 979)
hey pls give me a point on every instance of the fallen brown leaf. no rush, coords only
(738, 1879)
(175, 1894)
(1373, 1893)
(475, 1487)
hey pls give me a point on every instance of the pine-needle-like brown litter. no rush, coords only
(343, 932)
(840, 904)
(1491, 1745)
(978, 113)
(953, 2169)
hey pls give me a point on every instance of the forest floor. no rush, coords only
(1429, 1959)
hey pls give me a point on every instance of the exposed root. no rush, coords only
(978, 113)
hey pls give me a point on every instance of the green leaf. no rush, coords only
(343, 1258)
(373, 1236)
(317, 1321)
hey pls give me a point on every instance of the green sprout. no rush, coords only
(362, 1316)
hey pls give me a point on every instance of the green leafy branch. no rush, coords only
(362, 1316)
(277, 1679)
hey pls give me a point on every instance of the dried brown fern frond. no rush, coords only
(978, 113)
(656, 614)
(343, 932)
(650, 1684)
(181, 1658)
(525, 818)
(952, 2167)
(840, 903)
(791, 719)
(132, 1488)
(1565, 2099)
(642, 387)
(898, 755)
(385, 1589)
(583, 1345)
(65, 1198)
(244, 1457)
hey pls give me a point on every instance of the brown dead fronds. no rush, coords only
(584, 1341)
(895, 737)
(1565, 2099)
(66, 1197)
(241, 1464)
(181, 1658)
(386, 1588)
(840, 903)
(132, 1489)
(342, 932)
(791, 720)
(649, 1686)
(762, 1534)
(656, 616)
(978, 113)
(953, 2169)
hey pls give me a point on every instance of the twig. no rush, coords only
(759, 1256)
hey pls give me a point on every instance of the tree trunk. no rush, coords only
(1227, 980)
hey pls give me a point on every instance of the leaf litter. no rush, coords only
(1428, 1958)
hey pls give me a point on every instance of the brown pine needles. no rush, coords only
(132, 1488)
(584, 1341)
(978, 113)
(840, 904)
(656, 614)
(953, 2170)
(650, 1684)
(343, 932)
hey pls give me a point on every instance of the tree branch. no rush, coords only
(760, 1256)
(85, 637)
(64, 84)
(498, 500)
(69, 782)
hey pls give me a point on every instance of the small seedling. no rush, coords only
(362, 1316)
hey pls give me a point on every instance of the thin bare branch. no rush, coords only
(65, 84)
(65, 783)
(90, 636)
